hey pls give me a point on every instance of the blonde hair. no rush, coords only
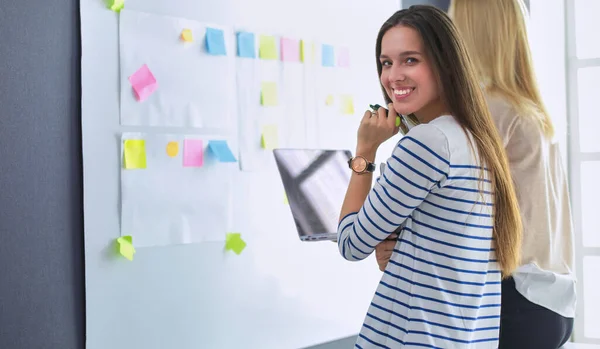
(495, 32)
(458, 82)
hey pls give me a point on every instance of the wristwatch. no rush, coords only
(361, 165)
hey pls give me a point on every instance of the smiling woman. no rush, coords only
(445, 190)
(406, 75)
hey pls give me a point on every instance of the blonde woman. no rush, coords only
(538, 301)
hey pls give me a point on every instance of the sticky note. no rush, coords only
(143, 83)
(246, 45)
(290, 50)
(307, 51)
(347, 105)
(267, 48)
(116, 5)
(343, 56)
(329, 100)
(397, 121)
(285, 199)
(269, 138)
(186, 35)
(268, 94)
(172, 149)
(193, 153)
(215, 42)
(134, 154)
(234, 242)
(221, 150)
(126, 248)
(327, 56)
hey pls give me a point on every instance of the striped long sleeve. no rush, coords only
(419, 162)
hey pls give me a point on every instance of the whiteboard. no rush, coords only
(280, 292)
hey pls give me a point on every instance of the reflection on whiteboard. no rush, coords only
(175, 189)
(192, 64)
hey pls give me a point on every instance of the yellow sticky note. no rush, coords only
(134, 154)
(268, 94)
(116, 5)
(234, 242)
(307, 51)
(270, 138)
(347, 105)
(172, 149)
(267, 48)
(186, 35)
(126, 248)
(285, 199)
(329, 100)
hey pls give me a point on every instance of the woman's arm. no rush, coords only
(418, 163)
(359, 186)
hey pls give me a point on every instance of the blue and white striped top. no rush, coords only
(441, 288)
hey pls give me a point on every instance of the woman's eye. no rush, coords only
(411, 60)
(386, 63)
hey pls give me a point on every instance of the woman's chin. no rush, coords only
(403, 109)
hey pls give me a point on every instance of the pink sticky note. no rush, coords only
(343, 55)
(143, 82)
(290, 50)
(193, 153)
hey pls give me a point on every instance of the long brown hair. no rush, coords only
(459, 88)
(503, 60)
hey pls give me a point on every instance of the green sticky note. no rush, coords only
(234, 242)
(134, 154)
(116, 5)
(347, 105)
(397, 121)
(267, 48)
(307, 51)
(269, 138)
(126, 248)
(268, 94)
(329, 100)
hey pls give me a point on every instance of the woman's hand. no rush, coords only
(383, 251)
(376, 128)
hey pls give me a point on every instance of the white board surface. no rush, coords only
(279, 293)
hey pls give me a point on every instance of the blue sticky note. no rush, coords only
(221, 150)
(215, 42)
(246, 45)
(327, 53)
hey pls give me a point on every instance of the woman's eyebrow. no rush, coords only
(402, 54)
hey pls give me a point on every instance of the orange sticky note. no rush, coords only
(172, 149)
(186, 35)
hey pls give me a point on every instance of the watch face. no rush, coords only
(359, 164)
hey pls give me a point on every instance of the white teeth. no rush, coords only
(402, 92)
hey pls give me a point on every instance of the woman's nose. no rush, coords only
(397, 74)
